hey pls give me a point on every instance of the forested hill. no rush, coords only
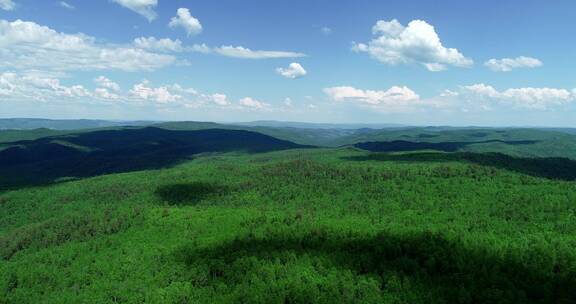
(522, 142)
(110, 151)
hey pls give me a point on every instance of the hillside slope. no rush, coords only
(295, 226)
(100, 152)
(523, 142)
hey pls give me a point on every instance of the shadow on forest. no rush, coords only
(551, 168)
(402, 145)
(190, 194)
(451, 272)
(49, 159)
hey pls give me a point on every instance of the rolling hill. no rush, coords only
(73, 154)
(129, 149)
(293, 226)
(536, 142)
(521, 142)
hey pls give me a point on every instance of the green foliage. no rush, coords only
(296, 226)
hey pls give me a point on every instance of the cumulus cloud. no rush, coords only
(249, 102)
(28, 45)
(418, 42)
(186, 21)
(219, 99)
(293, 71)
(176, 95)
(162, 94)
(34, 87)
(105, 94)
(106, 83)
(47, 89)
(7, 5)
(508, 64)
(241, 52)
(142, 7)
(66, 5)
(200, 48)
(471, 98)
(396, 99)
(524, 98)
(160, 45)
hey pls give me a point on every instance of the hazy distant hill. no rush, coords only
(515, 142)
(564, 130)
(525, 142)
(73, 124)
(308, 125)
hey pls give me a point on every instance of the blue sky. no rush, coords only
(493, 63)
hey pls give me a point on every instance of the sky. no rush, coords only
(461, 63)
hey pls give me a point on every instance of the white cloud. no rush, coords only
(200, 48)
(249, 102)
(166, 45)
(180, 90)
(219, 99)
(524, 98)
(293, 71)
(241, 52)
(175, 95)
(142, 7)
(160, 45)
(66, 5)
(418, 42)
(27, 45)
(392, 96)
(288, 102)
(326, 30)
(482, 90)
(7, 5)
(186, 21)
(25, 87)
(33, 87)
(106, 83)
(508, 64)
(471, 98)
(394, 99)
(103, 93)
(162, 94)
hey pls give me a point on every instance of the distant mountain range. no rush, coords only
(77, 124)
(64, 124)
(339, 128)
(310, 125)
(54, 150)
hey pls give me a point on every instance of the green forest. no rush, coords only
(286, 223)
